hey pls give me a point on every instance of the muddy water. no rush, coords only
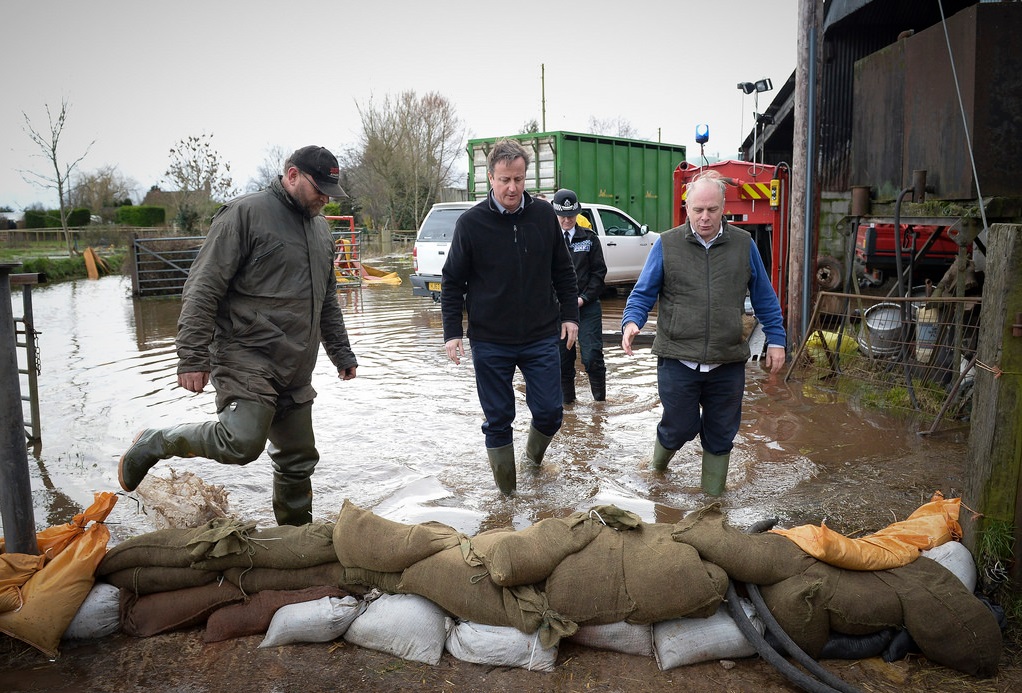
(404, 438)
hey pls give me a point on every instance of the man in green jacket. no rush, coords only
(259, 300)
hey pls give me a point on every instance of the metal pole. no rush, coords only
(15, 486)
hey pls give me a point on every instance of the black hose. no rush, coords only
(794, 650)
(772, 656)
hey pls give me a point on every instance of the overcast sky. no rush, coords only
(256, 74)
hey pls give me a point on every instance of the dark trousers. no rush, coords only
(590, 342)
(495, 369)
(696, 402)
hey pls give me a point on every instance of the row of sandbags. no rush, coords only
(600, 567)
(405, 625)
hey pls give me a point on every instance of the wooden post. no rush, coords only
(994, 465)
(15, 485)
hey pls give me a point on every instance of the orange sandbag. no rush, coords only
(53, 595)
(53, 540)
(15, 570)
(898, 544)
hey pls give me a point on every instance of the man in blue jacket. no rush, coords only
(700, 273)
(509, 269)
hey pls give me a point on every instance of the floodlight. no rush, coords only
(763, 85)
(702, 133)
(747, 87)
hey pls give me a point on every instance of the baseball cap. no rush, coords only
(322, 167)
(565, 203)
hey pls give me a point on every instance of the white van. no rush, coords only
(626, 243)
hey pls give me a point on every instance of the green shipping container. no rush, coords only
(633, 175)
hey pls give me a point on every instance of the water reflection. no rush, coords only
(404, 437)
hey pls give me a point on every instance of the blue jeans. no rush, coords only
(495, 365)
(685, 391)
(590, 343)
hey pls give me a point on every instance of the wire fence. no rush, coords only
(915, 354)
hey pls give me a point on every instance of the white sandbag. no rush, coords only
(98, 616)
(320, 620)
(501, 646)
(629, 638)
(684, 641)
(957, 558)
(406, 625)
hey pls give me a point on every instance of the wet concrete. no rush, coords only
(404, 438)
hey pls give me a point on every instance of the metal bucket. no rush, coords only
(882, 330)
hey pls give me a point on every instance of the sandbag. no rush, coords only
(589, 586)
(53, 595)
(404, 625)
(52, 540)
(684, 641)
(957, 558)
(152, 579)
(797, 605)
(15, 570)
(164, 547)
(98, 616)
(898, 544)
(629, 638)
(320, 620)
(759, 559)
(665, 579)
(529, 556)
(254, 580)
(285, 547)
(458, 582)
(362, 539)
(253, 616)
(500, 646)
(164, 612)
(948, 623)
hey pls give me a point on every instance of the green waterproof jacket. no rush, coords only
(259, 300)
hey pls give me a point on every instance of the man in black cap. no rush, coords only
(259, 300)
(590, 273)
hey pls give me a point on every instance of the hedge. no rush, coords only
(141, 215)
(50, 218)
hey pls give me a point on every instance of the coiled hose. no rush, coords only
(829, 683)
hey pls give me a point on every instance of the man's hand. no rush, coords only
(569, 331)
(193, 382)
(628, 333)
(775, 357)
(455, 350)
(348, 373)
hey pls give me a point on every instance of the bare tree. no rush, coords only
(614, 127)
(103, 191)
(404, 157)
(271, 167)
(60, 178)
(202, 179)
(530, 127)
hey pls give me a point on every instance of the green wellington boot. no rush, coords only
(536, 445)
(661, 456)
(238, 437)
(292, 450)
(714, 472)
(502, 462)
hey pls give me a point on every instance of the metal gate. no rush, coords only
(160, 265)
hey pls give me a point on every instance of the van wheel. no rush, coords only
(828, 273)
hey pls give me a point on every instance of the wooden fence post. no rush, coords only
(994, 464)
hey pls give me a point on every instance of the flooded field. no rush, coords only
(404, 437)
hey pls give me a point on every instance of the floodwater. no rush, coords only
(404, 438)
